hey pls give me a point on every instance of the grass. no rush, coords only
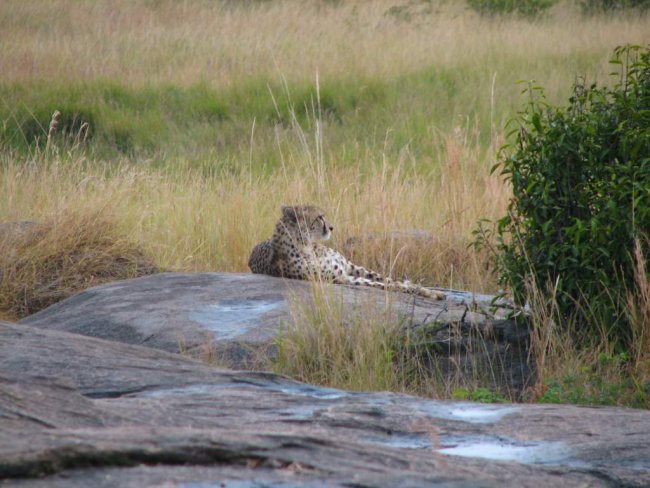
(227, 43)
(369, 345)
(573, 367)
(324, 345)
(46, 262)
(194, 80)
(204, 117)
(189, 221)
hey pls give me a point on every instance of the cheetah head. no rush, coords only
(306, 223)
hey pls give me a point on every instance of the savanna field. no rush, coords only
(185, 125)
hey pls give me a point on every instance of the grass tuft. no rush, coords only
(328, 344)
(573, 366)
(370, 346)
(43, 263)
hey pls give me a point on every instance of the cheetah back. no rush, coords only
(262, 259)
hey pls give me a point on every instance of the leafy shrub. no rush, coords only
(581, 195)
(524, 8)
(591, 7)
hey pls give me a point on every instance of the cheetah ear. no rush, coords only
(289, 212)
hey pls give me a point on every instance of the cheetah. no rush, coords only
(294, 252)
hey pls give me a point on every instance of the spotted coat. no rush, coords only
(294, 252)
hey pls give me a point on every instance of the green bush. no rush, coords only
(591, 7)
(581, 195)
(524, 8)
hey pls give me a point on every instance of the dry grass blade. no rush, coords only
(639, 308)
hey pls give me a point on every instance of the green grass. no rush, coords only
(213, 126)
(604, 379)
(483, 395)
(122, 120)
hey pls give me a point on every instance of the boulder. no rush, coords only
(235, 317)
(78, 411)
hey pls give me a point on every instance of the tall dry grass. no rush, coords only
(327, 344)
(572, 366)
(226, 43)
(44, 262)
(638, 306)
(189, 221)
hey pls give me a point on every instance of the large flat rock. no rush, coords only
(237, 317)
(80, 411)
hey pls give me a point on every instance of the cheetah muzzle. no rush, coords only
(294, 252)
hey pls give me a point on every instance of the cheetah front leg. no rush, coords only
(356, 271)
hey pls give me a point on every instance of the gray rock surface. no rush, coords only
(236, 317)
(78, 411)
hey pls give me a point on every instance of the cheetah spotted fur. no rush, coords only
(294, 252)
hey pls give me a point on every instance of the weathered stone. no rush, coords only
(236, 318)
(80, 411)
